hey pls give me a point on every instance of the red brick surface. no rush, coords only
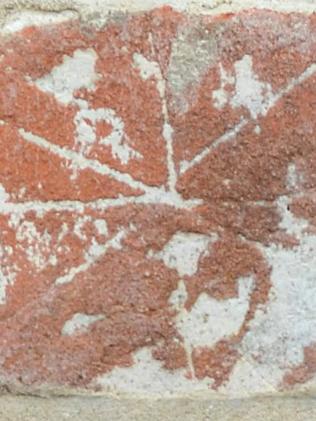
(201, 144)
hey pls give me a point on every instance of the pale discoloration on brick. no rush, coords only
(80, 323)
(156, 202)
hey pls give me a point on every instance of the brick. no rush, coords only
(157, 203)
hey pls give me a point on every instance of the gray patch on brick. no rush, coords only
(98, 12)
(193, 52)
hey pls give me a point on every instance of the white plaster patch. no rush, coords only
(249, 91)
(86, 121)
(211, 320)
(80, 323)
(184, 250)
(101, 226)
(146, 67)
(21, 193)
(64, 230)
(257, 130)
(38, 244)
(5, 280)
(17, 21)
(289, 223)
(278, 334)
(148, 375)
(94, 251)
(179, 296)
(76, 72)
(15, 219)
(79, 226)
(7, 276)
(221, 95)
(7, 271)
(294, 179)
(4, 196)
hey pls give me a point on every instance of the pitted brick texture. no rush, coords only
(157, 197)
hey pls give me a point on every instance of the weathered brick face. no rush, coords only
(157, 203)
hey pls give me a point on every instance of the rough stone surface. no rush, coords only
(157, 202)
(99, 409)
